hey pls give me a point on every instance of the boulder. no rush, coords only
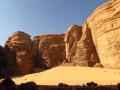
(105, 28)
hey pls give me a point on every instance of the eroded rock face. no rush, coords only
(48, 50)
(72, 36)
(104, 24)
(21, 44)
(80, 49)
(94, 44)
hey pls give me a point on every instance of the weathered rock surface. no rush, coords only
(94, 44)
(104, 24)
(21, 44)
(48, 50)
(72, 36)
(80, 49)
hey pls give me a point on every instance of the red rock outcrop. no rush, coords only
(48, 50)
(21, 44)
(105, 28)
(72, 36)
(96, 43)
(80, 49)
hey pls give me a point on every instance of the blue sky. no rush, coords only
(38, 17)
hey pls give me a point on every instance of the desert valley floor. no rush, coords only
(72, 76)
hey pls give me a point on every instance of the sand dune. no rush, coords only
(72, 76)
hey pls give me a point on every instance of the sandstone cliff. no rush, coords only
(105, 28)
(21, 44)
(48, 50)
(24, 54)
(94, 44)
(80, 49)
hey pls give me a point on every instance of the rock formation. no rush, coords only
(72, 36)
(3, 61)
(48, 50)
(44, 51)
(80, 49)
(105, 28)
(12, 67)
(94, 44)
(21, 44)
(8, 65)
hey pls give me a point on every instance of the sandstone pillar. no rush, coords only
(21, 44)
(73, 34)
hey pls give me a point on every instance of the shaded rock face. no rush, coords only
(2, 56)
(80, 49)
(12, 67)
(3, 61)
(104, 24)
(48, 50)
(8, 65)
(21, 45)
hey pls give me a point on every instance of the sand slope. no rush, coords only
(72, 76)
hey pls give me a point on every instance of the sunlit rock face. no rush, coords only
(72, 36)
(48, 50)
(80, 50)
(21, 44)
(104, 24)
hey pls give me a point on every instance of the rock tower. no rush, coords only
(21, 44)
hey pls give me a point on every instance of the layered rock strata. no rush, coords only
(80, 49)
(48, 50)
(72, 36)
(21, 44)
(94, 44)
(105, 28)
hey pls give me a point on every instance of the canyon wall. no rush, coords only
(48, 50)
(80, 50)
(95, 44)
(105, 28)
(24, 54)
